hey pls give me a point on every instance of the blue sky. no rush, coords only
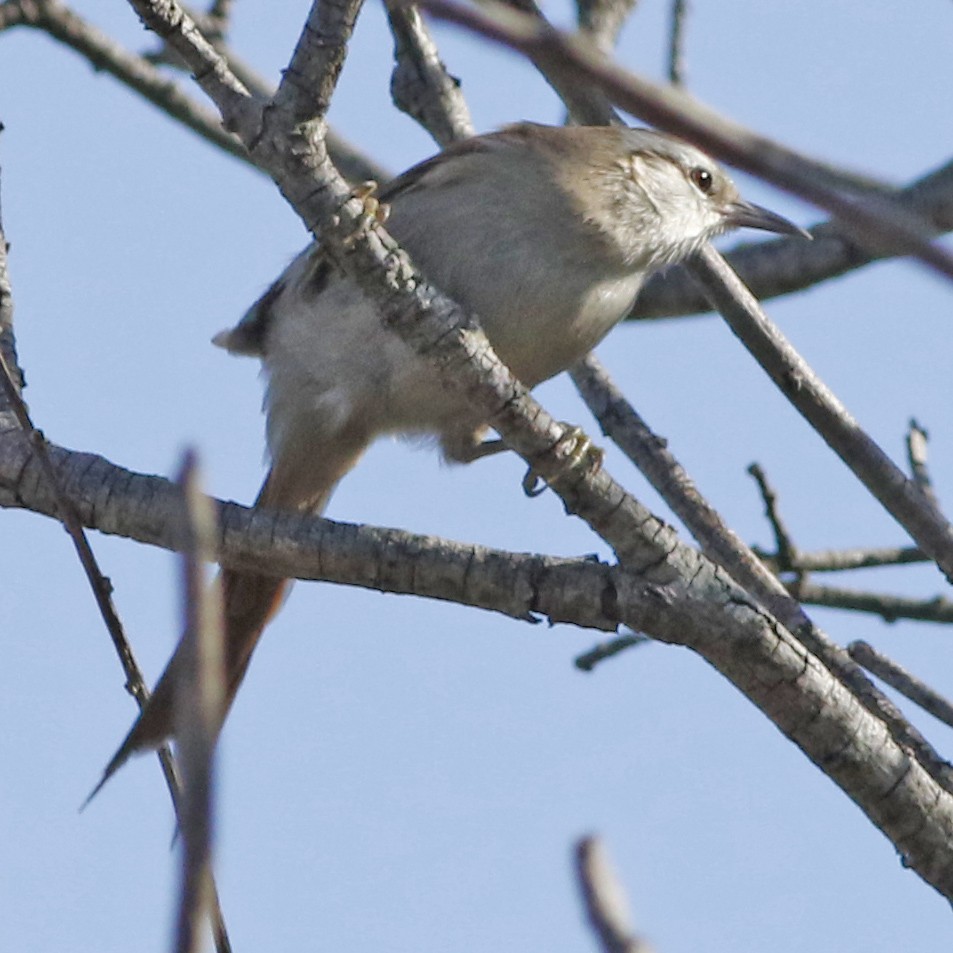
(411, 775)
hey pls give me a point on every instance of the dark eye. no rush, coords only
(702, 179)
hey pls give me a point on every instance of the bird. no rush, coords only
(546, 234)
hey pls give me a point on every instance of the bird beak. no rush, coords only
(743, 214)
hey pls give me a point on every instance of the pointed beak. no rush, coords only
(743, 214)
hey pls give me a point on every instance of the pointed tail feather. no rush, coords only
(251, 600)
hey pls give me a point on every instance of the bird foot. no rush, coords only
(374, 211)
(576, 449)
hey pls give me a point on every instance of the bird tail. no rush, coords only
(302, 484)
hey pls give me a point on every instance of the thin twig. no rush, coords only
(841, 560)
(676, 42)
(786, 552)
(890, 608)
(917, 439)
(104, 53)
(899, 678)
(604, 899)
(606, 650)
(199, 697)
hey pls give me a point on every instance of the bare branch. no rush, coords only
(312, 74)
(839, 560)
(900, 679)
(889, 608)
(174, 26)
(420, 84)
(103, 53)
(604, 898)
(886, 482)
(674, 593)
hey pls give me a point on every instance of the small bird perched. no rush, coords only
(545, 234)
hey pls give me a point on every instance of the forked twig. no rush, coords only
(786, 553)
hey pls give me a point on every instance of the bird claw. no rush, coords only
(577, 450)
(373, 212)
(531, 483)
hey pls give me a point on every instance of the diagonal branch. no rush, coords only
(878, 224)
(103, 53)
(420, 84)
(167, 19)
(900, 679)
(61, 23)
(312, 74)
(901, 497)
(657, 463)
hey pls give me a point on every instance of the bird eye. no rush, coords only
(702, 179)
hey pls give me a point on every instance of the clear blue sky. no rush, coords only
(406, 775)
